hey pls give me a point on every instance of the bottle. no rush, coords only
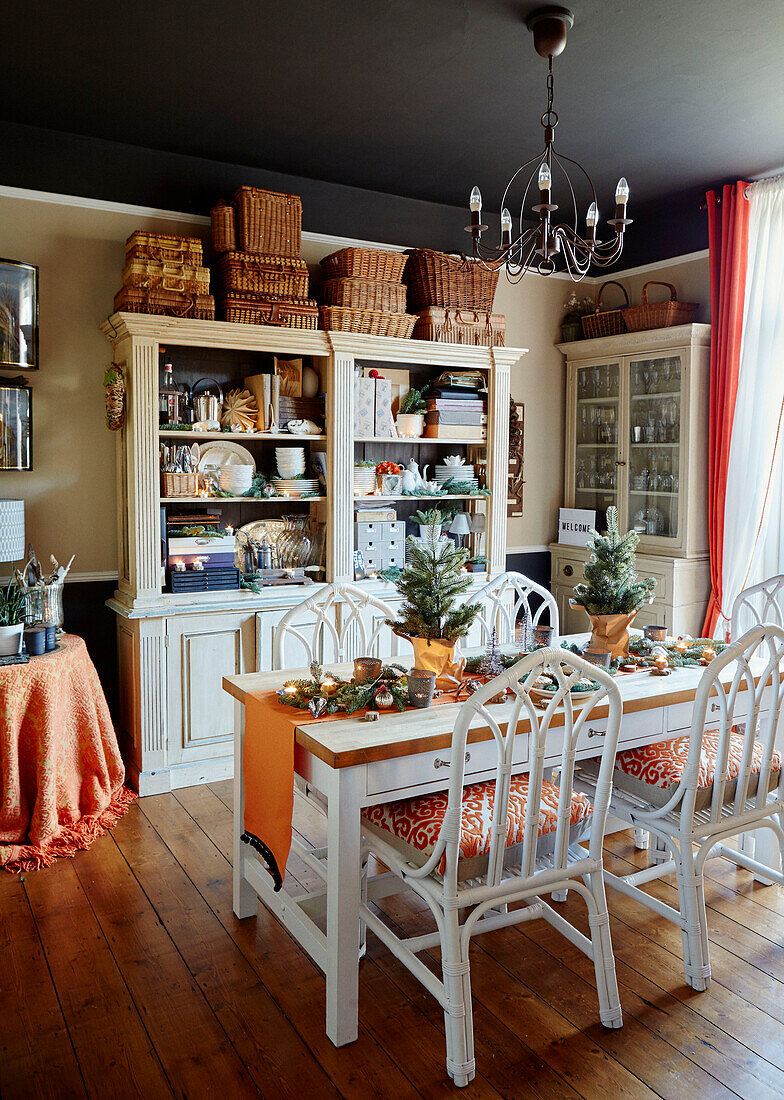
(168, 397)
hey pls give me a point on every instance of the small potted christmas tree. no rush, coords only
(428, 617)
(612, 593)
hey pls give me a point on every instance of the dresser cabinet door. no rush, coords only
(201, 650)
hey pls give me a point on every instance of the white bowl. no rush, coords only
(236, 479)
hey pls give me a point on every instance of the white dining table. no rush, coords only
(349, 764)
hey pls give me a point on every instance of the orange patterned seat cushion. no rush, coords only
(654, 771)
(413, 824)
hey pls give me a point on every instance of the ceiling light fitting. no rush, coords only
(538, 246)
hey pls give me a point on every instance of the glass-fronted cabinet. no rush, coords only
(637, 424)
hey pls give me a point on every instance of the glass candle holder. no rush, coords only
(543, 635)
(421, 684)
(366, 669)
(655, 633)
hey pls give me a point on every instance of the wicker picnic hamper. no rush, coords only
(364, 294)
(179, 485)
(436, 279)
(268, 221)
(154, 275)
(369, 322)
(300, 408)
(251, 310)
(164, 247)
(166, 303)
(365, 263)
(608, 323)
(461, 326)
(659, 314)
(224, 233)
(263, 275)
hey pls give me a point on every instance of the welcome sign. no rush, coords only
(575, 525)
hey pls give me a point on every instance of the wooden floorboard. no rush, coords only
(124, 972)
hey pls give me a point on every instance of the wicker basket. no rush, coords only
(154, 275)
(250, 310)
(224, 234)
(370, 322)
(365, 263)
(608, 323)
(115, 399)
(659, 314)
(263, 275)
(436, 279)
(165, 303)
(461, 326)
(164, 247)
(365, 294)
(179, 485)
(268, 221)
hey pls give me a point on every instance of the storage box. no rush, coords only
(364, 406)
(383, 408)
(215, 552)
(375, 514)
(461, 326)
(268, 221)
(205, 580)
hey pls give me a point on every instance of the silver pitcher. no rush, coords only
(207, 405)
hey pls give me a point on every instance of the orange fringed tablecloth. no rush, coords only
(61, 773)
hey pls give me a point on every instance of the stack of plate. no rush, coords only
(296, 487)
(236, 479)
(459, 473)
(290, 461)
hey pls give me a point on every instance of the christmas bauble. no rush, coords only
(317, 705)
(383, 697)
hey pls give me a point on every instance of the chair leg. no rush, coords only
(642, 839)
(696, 956)
(458, 1021)
(610, 1012)
(658, 851)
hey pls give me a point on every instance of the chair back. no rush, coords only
(507, 598)
(338, 623)
(554, 732)
(735, 688)
(758, 604)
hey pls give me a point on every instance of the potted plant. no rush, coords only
(12, 604)
(410, 418)
(429, 522)
(612, 593)
(428, 617)
(571, 328)
(477, 564)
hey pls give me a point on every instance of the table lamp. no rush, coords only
(460, 526)
(12, 530)
(478, 528)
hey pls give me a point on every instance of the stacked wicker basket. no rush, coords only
(263, 278)
(453, 299)
(363, 291)
(163, 274)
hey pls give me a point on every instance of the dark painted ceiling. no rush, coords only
(414, 97)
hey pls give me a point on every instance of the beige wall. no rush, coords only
(691, 279)
(70, 495)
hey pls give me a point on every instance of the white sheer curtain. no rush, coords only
(754, 510)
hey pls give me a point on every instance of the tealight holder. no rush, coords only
(655, 633)
(595, 658)
(421, 684)
(366, 669)
(543, 635)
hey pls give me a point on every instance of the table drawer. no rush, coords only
(430, 767)
(639, 724)
(679, 714)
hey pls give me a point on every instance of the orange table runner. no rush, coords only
(61, 773)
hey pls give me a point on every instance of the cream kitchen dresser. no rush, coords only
(637, 438)
(176, 724)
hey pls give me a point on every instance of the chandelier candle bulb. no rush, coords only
(506, 228)
(545, 178)
(475, 202)
(622, 192)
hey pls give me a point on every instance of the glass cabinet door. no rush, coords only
(597, 438)
(654, 446)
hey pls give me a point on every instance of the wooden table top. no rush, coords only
(351, 741)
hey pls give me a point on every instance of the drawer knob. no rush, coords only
(715, 707)
(595, 733)
(439, 763)
(568, 570)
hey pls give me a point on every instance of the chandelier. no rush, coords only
(538, 246)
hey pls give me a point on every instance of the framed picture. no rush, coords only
(290, 373)
(514, 504)
(16, 426)
(18, 315)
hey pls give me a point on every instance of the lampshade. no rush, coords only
(479, 523)
(12, 530)
(460, 525)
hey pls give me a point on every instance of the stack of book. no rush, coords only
(456, 412)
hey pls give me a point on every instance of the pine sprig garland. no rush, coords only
(612, 586)
(430, 586)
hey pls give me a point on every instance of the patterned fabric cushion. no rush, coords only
(413, 825)
(654, 771)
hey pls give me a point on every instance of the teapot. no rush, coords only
(412, 478)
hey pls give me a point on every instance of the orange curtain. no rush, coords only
(728, 240)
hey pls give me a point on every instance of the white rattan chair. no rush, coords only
(507, 598)
(758, 604)
(723, 778)
(477, 848)
(337, 623)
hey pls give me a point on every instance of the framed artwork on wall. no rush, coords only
(516, 474)
(18, 315)
(16, 425)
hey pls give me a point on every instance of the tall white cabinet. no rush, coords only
(637, 438)
(176, 724)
